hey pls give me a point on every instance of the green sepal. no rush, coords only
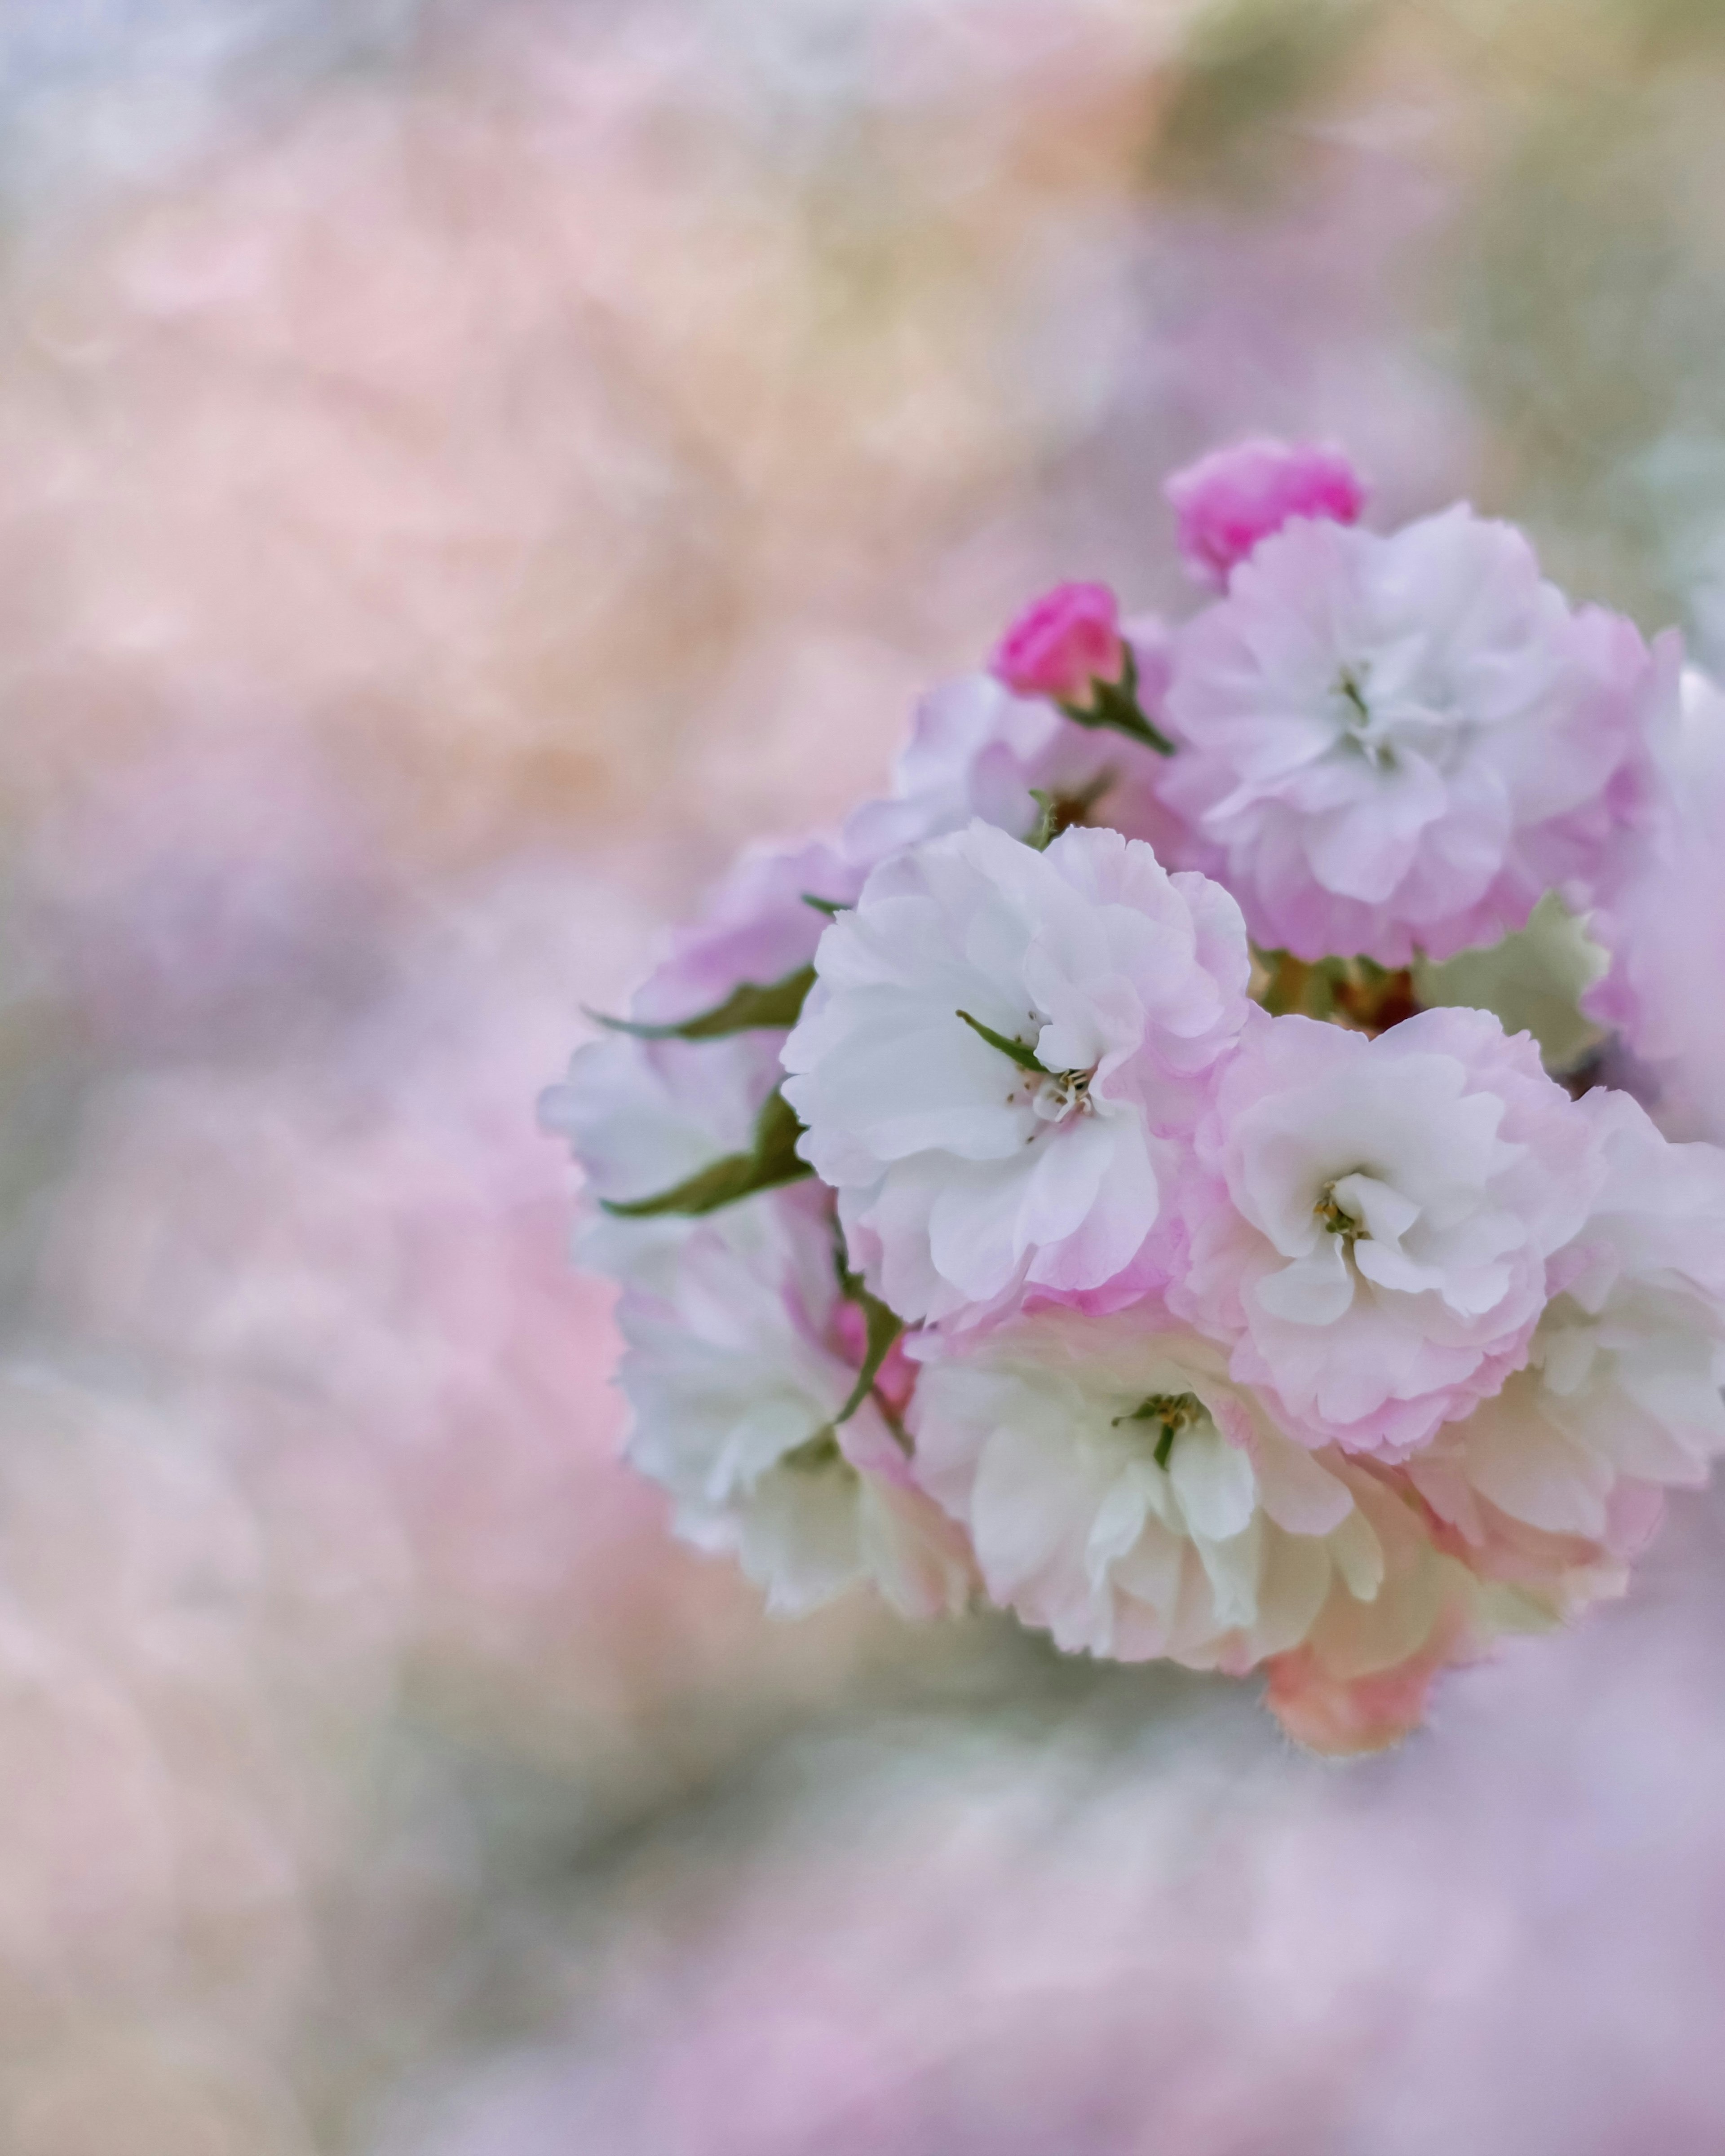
(1025, 1058)
(1059, 812)
(747, 1008)
(832, 907)
(884, 1326)
(772, 1162)
(815, 1455)
(1115, 705)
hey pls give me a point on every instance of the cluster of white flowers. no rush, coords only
(1051, 1190)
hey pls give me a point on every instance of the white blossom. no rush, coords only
(1004, 1053)
(736, 1371)
(1122, 1491)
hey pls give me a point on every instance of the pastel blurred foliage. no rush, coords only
(467, 468)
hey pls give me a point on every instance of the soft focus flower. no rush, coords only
(1061, 643)
(736, 1376)
(1374, 1229)
(1122, 1491)
(758, 926)
(1661, 914)
(1228, 501)
(978, 750)
(1399, 743)
(1556, 1480)
(1362, 1678)
(1001, 1047)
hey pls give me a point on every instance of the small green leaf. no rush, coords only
(772, 1162)
(884, 1326)
(1048, 825)
(1025, 1058)
(745, 1008)
(832, 907)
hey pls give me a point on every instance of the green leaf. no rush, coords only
(832, 907)
(771, 1162)
(1025, 1058)
(745, 1008)
(1048, 825)
(884, 1326)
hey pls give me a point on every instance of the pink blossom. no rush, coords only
(1400, 744)
(1231, 500)
(1061, 643)
(1373, 1224)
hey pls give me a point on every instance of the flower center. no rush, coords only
(1337, 1219)
(1170, 1413)
(1060, 1094)
(1052, 1096)
(1357, 717)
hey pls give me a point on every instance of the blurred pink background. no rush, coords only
(467, 468)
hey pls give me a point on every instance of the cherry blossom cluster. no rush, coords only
(1065, 1186)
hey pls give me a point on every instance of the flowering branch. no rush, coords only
(1256, 1317)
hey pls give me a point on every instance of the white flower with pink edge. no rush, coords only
(1123, 1493)
(1004, 1057)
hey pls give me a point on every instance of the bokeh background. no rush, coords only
(464, 468)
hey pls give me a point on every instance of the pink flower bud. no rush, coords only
(1061, 643)
(1228, 501)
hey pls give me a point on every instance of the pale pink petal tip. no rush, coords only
(1344, 1717)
